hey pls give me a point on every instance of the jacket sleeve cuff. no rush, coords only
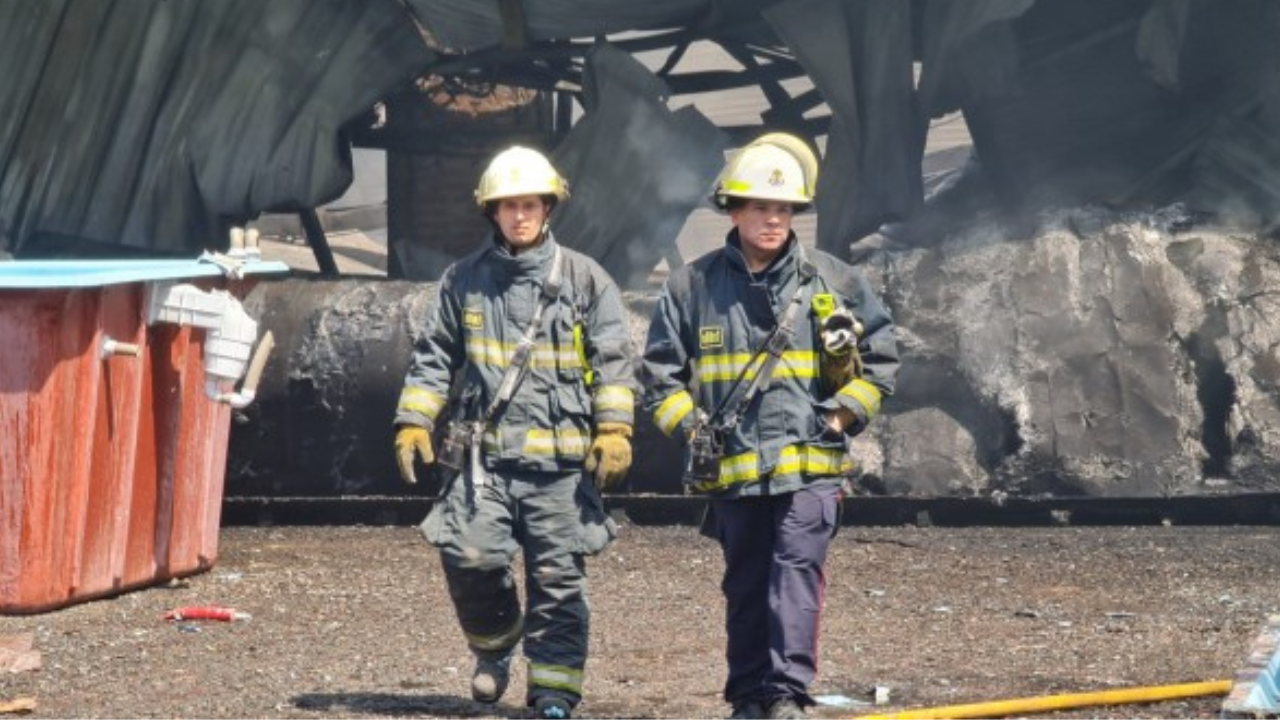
(613, 404)
(418, 406)
(863, 400)
(675, 413)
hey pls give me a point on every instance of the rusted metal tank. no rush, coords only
(112, 453)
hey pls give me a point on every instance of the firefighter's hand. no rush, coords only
(412, 439)
(610, 454)
(841, 420)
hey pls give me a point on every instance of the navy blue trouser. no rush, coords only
(774, 550)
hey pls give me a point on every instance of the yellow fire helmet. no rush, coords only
(520, 171)
(775, 166)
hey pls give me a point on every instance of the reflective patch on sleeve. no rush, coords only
(727, 367)
(560, 442)
(421, 401)
(616, 398)
(672, 411)
(486, 351)
(865, 394)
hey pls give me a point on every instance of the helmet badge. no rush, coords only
(776, 178)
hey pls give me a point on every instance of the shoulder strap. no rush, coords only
(519, 365)
(739, 399)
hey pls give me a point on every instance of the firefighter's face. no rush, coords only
(763, 226)
(521, 219)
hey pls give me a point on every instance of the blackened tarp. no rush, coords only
(636, 169)
(465, 25)
(1126, 103)
(859, 55)
(149, 124)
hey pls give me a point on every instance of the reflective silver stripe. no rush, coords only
(571, 443)
(484, 351)
(557, 677)
(672, 410)
(421, 401)
(615, 397)
(865, 394)
(726, 367)
(503, 641)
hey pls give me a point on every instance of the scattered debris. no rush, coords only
(17, 706)
(207, 612)
(17, 653)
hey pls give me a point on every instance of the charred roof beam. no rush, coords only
(784, 112)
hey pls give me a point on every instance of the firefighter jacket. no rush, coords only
(580, 372)
(712, 317)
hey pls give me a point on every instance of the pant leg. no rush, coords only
(806, 523)
(557, 518)
(474, 530)
(488, 607)
(745, 529)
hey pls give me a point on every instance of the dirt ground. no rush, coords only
(355, 622)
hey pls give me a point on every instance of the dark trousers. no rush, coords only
(774, 550)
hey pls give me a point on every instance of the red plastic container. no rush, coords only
(111, 468)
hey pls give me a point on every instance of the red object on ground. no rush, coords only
(206, 612)
(111, 468)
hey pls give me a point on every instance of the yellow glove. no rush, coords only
(610, 454)
(411, 439)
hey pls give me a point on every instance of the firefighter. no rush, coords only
(538, 425)
(763, 357)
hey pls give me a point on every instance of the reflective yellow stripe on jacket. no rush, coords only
(564, 442)
(423, 402)
(865, 394)
(672, 410)
(726, 367)
(793, 460)
(484, 351)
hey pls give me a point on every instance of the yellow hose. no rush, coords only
(1047, 703)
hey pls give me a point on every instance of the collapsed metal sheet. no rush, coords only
(472, 24)
(967, 51)
(1128, 104)
(859, 56)
(146, 125)
(636, 169)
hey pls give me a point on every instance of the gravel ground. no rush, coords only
(355, 622)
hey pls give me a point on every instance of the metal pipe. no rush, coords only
(111, 346)
(1049, 703)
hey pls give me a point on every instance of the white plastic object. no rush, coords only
(238, 243)
(251, 249)
(231, 332)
